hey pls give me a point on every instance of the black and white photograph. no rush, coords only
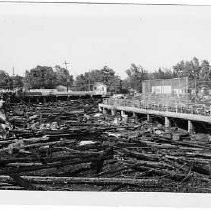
(105, 97)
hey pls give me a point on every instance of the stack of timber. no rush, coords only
(70, 146)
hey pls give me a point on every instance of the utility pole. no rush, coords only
(13, 71)
(195, 87)
(67, 79)
(13, 74)
(179, 74)
(89, 81)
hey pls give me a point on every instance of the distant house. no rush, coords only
(132, 91)
(40, 91)
(100, 88)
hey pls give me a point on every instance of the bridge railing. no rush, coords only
(198, 109)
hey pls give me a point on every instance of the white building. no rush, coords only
(100, 88)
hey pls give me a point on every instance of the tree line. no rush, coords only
(48, 77)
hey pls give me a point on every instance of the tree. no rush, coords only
(5, 80)
(162, 73)
(190, 69)
(205, 70)
(125, 86)
(40, 77)
(109, 78)
(17, 81)
(196, 68)
(136, 74)
(105, 75)
(179, 68)
(81, 83)
(63, 76)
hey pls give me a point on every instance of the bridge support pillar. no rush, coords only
(122, 112)
(167, 122)
(100, 108)
(190, 126)
(148, 118)
(44, 99)
(104, 111)
(134, 114)
(113, 111)
(37, 100)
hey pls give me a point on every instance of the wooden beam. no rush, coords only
(152, 182)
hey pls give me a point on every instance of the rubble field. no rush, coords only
(69, 146)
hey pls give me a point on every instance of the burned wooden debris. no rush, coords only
(70, 146)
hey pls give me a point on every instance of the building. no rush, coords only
(166, 92)
(41, 91)
(100, 88)
(177, 86)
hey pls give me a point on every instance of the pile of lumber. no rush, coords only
(93, 152)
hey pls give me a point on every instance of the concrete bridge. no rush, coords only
(129, 106)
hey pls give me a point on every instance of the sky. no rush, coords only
(92, 36)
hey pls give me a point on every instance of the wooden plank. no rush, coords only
(152, 182)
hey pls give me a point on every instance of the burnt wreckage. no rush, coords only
(69, 145)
